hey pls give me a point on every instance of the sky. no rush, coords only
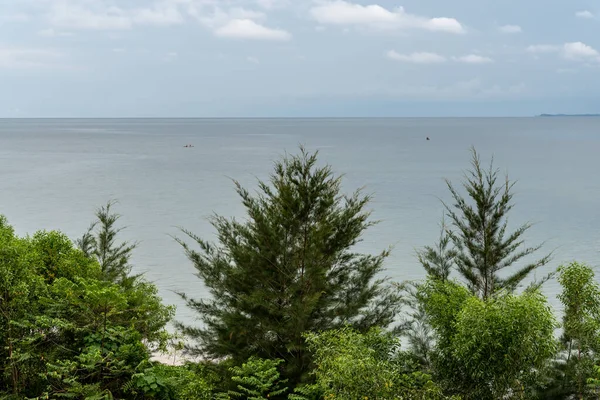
(298, 58)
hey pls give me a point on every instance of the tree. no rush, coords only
(92, 337)
(288, 269)
(99, 242)
(483, 247)
(58, 258)
(65, 330)
(439, 259)
(489, 348)
(20, 287)
(580, 339)
(353, 366)
(257, 379)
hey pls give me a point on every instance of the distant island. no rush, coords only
(569, 115)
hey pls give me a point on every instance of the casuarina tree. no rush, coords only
(289, 268)
(482, 245)
(99, 243)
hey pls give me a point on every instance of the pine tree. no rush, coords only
(438, 259)
(99, 243)
(479, 232)
(288, 269)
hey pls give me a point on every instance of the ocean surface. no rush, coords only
(54, 173)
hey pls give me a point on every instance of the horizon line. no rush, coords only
(289, 117)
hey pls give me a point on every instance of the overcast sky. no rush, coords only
(103, 58)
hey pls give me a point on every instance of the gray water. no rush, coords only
(54, 173)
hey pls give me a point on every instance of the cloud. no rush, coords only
(434, 58)
(238, 23)
(100, 16)
(159, 15)
(542, 48)
(574, 51)
(252, 60)
(585, 14)
(416, 58)
(474, 59)
(340, 12)
(272, 4)
(218, 17)
(50, 32)
(510, 29)
(248, 29)
(28, 58)
(580, 51)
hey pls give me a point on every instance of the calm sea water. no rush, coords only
(54, 173)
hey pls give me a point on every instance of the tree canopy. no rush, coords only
(288, 269)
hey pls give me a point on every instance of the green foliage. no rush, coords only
(502, 342)
(186, 382)
(106, 363)
(20, 287)
(148, 384)
(489, 348)
(414, 324)
(439, 259)
(351, 365)
(93, 317)
(65, 330)
(581, 299)
(100, 243)
(59, 259)
(580, 341)
(593, 383)
(482, 245)
(258, 379)
(288, 269)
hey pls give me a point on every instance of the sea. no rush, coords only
(54, 174)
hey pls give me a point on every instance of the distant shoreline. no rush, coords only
(569, 115)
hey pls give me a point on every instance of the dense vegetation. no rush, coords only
(296, 313)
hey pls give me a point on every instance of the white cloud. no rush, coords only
(100, 16)
(580, 51)
(118, 50)
(416, 58)
(252, 60)
(584, 14)
(219, 17)
(510, 29)
(575, 51)
(474, 59)
(542, 48)
(248, 29)
(238, 23)
(272, 4)
(50, 32)
(340, 12)
(28, 58)
(159, 15)
(434, 58)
